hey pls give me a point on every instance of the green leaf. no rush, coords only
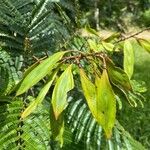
(40, 97)
(89, 91)
(108, 46)
(39, 72)
(128, 58)
(106, 103)
(57, 127)
(92, 44)
(59, 97)
(24, 76)
(117, 76)
(91, 30)
(145, 44)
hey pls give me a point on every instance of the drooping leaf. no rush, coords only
(118, 77)
(57, 127)
(128, 58)
(89, 91)
(39, 98)
(145, 44)
(59, 97)
(106, 103)
(39, 72)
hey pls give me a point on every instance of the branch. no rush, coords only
(82, 56)
(131, 36)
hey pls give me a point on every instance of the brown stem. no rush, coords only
(133, 35)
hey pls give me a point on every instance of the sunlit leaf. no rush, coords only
(39, 72)
(94, 46)
(40, 97)
(106, 103)
(59, 98)
(108, 46)
(128, 58)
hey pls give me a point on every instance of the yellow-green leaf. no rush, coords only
(39, 72)
(89, 91)
(59, 97)
(91, 30)
(145, 44)
(101, 100)
(57, 127)
(118, 77)
(128, 58)
(106, 103)
(39, 98)
(108, 46)
(92, 44)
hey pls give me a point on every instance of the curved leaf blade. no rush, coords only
(106, 103)
(59, 97)
(118, 77)
(39, 98)
(39, 72)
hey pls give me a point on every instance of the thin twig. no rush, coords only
(133, 35)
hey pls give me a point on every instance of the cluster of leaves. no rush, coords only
(31, 27)
(101, 82)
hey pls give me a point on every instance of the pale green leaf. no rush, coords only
(128, 58)
(145, 44)
(39, 72)
(59, 97)
(39, 98)
(108, 46)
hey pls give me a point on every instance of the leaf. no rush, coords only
(57, 127)
(145, 44)
(24, 76)
(39, 72)
(40, 97)
(89, 91)
(59, 97)
(108, 46)
(118, 77)
(106, 103)
(92, 44)
(101, 101)
(128, 58)
(91, 30)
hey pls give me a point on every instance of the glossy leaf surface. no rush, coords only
(59, 98)
(39, 72)
(118, 77)
(39, 99)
